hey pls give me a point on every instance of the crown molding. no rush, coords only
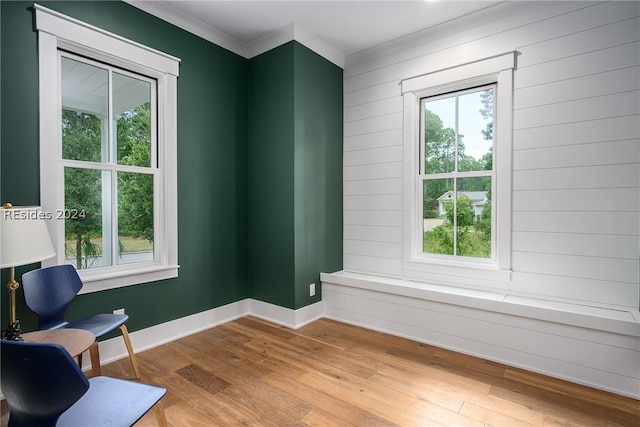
(319, 46)
(291, 32)
(162, 10)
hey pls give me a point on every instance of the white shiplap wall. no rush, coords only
(576, 148)
(575, 201)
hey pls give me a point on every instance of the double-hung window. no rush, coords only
(457, 140)
(109, 161)
(107, 153)
(456, 173)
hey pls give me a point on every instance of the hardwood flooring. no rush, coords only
(255, 373)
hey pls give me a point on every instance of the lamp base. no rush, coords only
(12, 332)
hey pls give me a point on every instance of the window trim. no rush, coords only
(60, 32)
(493, 70)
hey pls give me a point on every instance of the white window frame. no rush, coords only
(494, 70)
(60, 32)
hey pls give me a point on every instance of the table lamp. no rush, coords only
(24, 239)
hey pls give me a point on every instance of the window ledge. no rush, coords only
(101, 282)
(617, 321)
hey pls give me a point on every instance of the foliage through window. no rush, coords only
(456, 173)
(109, 159)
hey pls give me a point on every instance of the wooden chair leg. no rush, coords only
(94, 353)
(157, 409)
(132, 356)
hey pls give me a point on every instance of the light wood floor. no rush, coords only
(255, 373)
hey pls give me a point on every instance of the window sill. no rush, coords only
(95, 282)
(591, 317)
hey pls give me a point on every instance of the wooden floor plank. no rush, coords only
(324, 333)
(386, 403)
(257, 373)
(179, 415)
(319, 418)
(505, 408)
(427, 391)
(339, 408)
(494, 418)
(572, 391)
(561, 412)
(321, 354)
(258, 405)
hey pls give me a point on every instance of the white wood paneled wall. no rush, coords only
(570, 309)
(576, 155)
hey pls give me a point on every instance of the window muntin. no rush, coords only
(456, 174)
(108, 153)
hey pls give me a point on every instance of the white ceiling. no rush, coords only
(347, 26)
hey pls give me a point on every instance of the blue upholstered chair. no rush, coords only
(44, 387)
(49, 291)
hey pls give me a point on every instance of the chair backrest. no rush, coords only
(49, 291)
(39, 381)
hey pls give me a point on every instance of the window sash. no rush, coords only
(421, 254)
(453, 94)
(110, 150)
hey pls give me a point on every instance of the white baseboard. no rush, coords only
(293, 319)
(144, 339)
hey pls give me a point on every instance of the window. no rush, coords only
(456, 172)
(457, 140)
(108, 153)
(110, 164)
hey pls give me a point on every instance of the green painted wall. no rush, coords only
(271, 215)
(317, 170)
(295, 174)
(259, 166)
(212, 155)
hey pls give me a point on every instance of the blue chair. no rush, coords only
(44, 387)
(49, 291)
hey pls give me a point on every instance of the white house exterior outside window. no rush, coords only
(108, 130)
(457, 183)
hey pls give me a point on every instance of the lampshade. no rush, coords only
(23, 236)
